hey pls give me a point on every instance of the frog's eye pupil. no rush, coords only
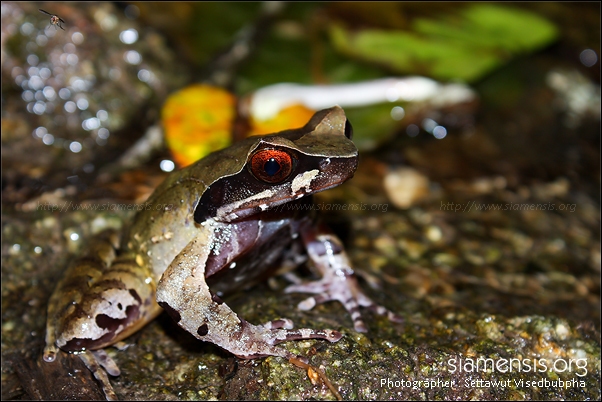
(271, 166)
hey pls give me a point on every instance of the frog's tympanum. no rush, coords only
(223, 223)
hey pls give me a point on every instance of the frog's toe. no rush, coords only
(346, 290)
(283, 335)
(94, 361)
(260, 341)
(283, 323)
(106, 362)
(308, 304)
(316, 287)
(50, 352)
(365, 301)
(391, 316)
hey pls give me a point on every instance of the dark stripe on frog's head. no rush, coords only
(322, 154)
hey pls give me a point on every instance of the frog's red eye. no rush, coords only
(271, 165)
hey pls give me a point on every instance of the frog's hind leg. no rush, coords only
(73, 286)
(338, 279)
(94, 361)
(184, 294)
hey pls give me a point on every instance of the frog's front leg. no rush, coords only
(338, 281)
(184, 294)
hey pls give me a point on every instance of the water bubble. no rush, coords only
(129, 36)
(36, 82)
(69, 48)
(49, 93)
(27, 28)
(75, 147)
(398, 113)
(412, 130)
(72, 59)
(91, 124)
(429, 125)
(167, 166)
(39, 108)
(103, 133)
(108, 22)
(144, 75)
(40, 132)
(132, 57)
(48, 139)
(70, 107)
(588, 57)
(19, 80)
(102, 115)
(33, 60)
(64, 93)
(82, 104)
(114, 73)
(16, 72)
(78, 84)
(45, 73)
(439, 132)
(27, 96)
(77, 38)
(33, 71)
(132, 12)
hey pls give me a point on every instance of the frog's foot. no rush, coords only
(261, 340)
(50, 351)
(93, 360)
(338, 279)
(342, 286)
(268, 335)
(122, 345)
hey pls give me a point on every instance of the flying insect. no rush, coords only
(54, 19)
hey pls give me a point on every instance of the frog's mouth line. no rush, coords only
(275, 205)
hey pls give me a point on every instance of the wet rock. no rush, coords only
(406, 186)
(68, 94)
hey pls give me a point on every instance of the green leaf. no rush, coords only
(464, 46)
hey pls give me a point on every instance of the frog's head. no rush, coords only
(267, 171)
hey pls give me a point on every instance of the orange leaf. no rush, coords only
(291, 117)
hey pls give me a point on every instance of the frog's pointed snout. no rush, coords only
(328, 121)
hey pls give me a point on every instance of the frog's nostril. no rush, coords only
(348, 129)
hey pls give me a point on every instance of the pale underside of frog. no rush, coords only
(225, 223)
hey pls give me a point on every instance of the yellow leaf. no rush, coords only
(197, 120)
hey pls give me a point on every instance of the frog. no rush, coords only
(224, 223)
